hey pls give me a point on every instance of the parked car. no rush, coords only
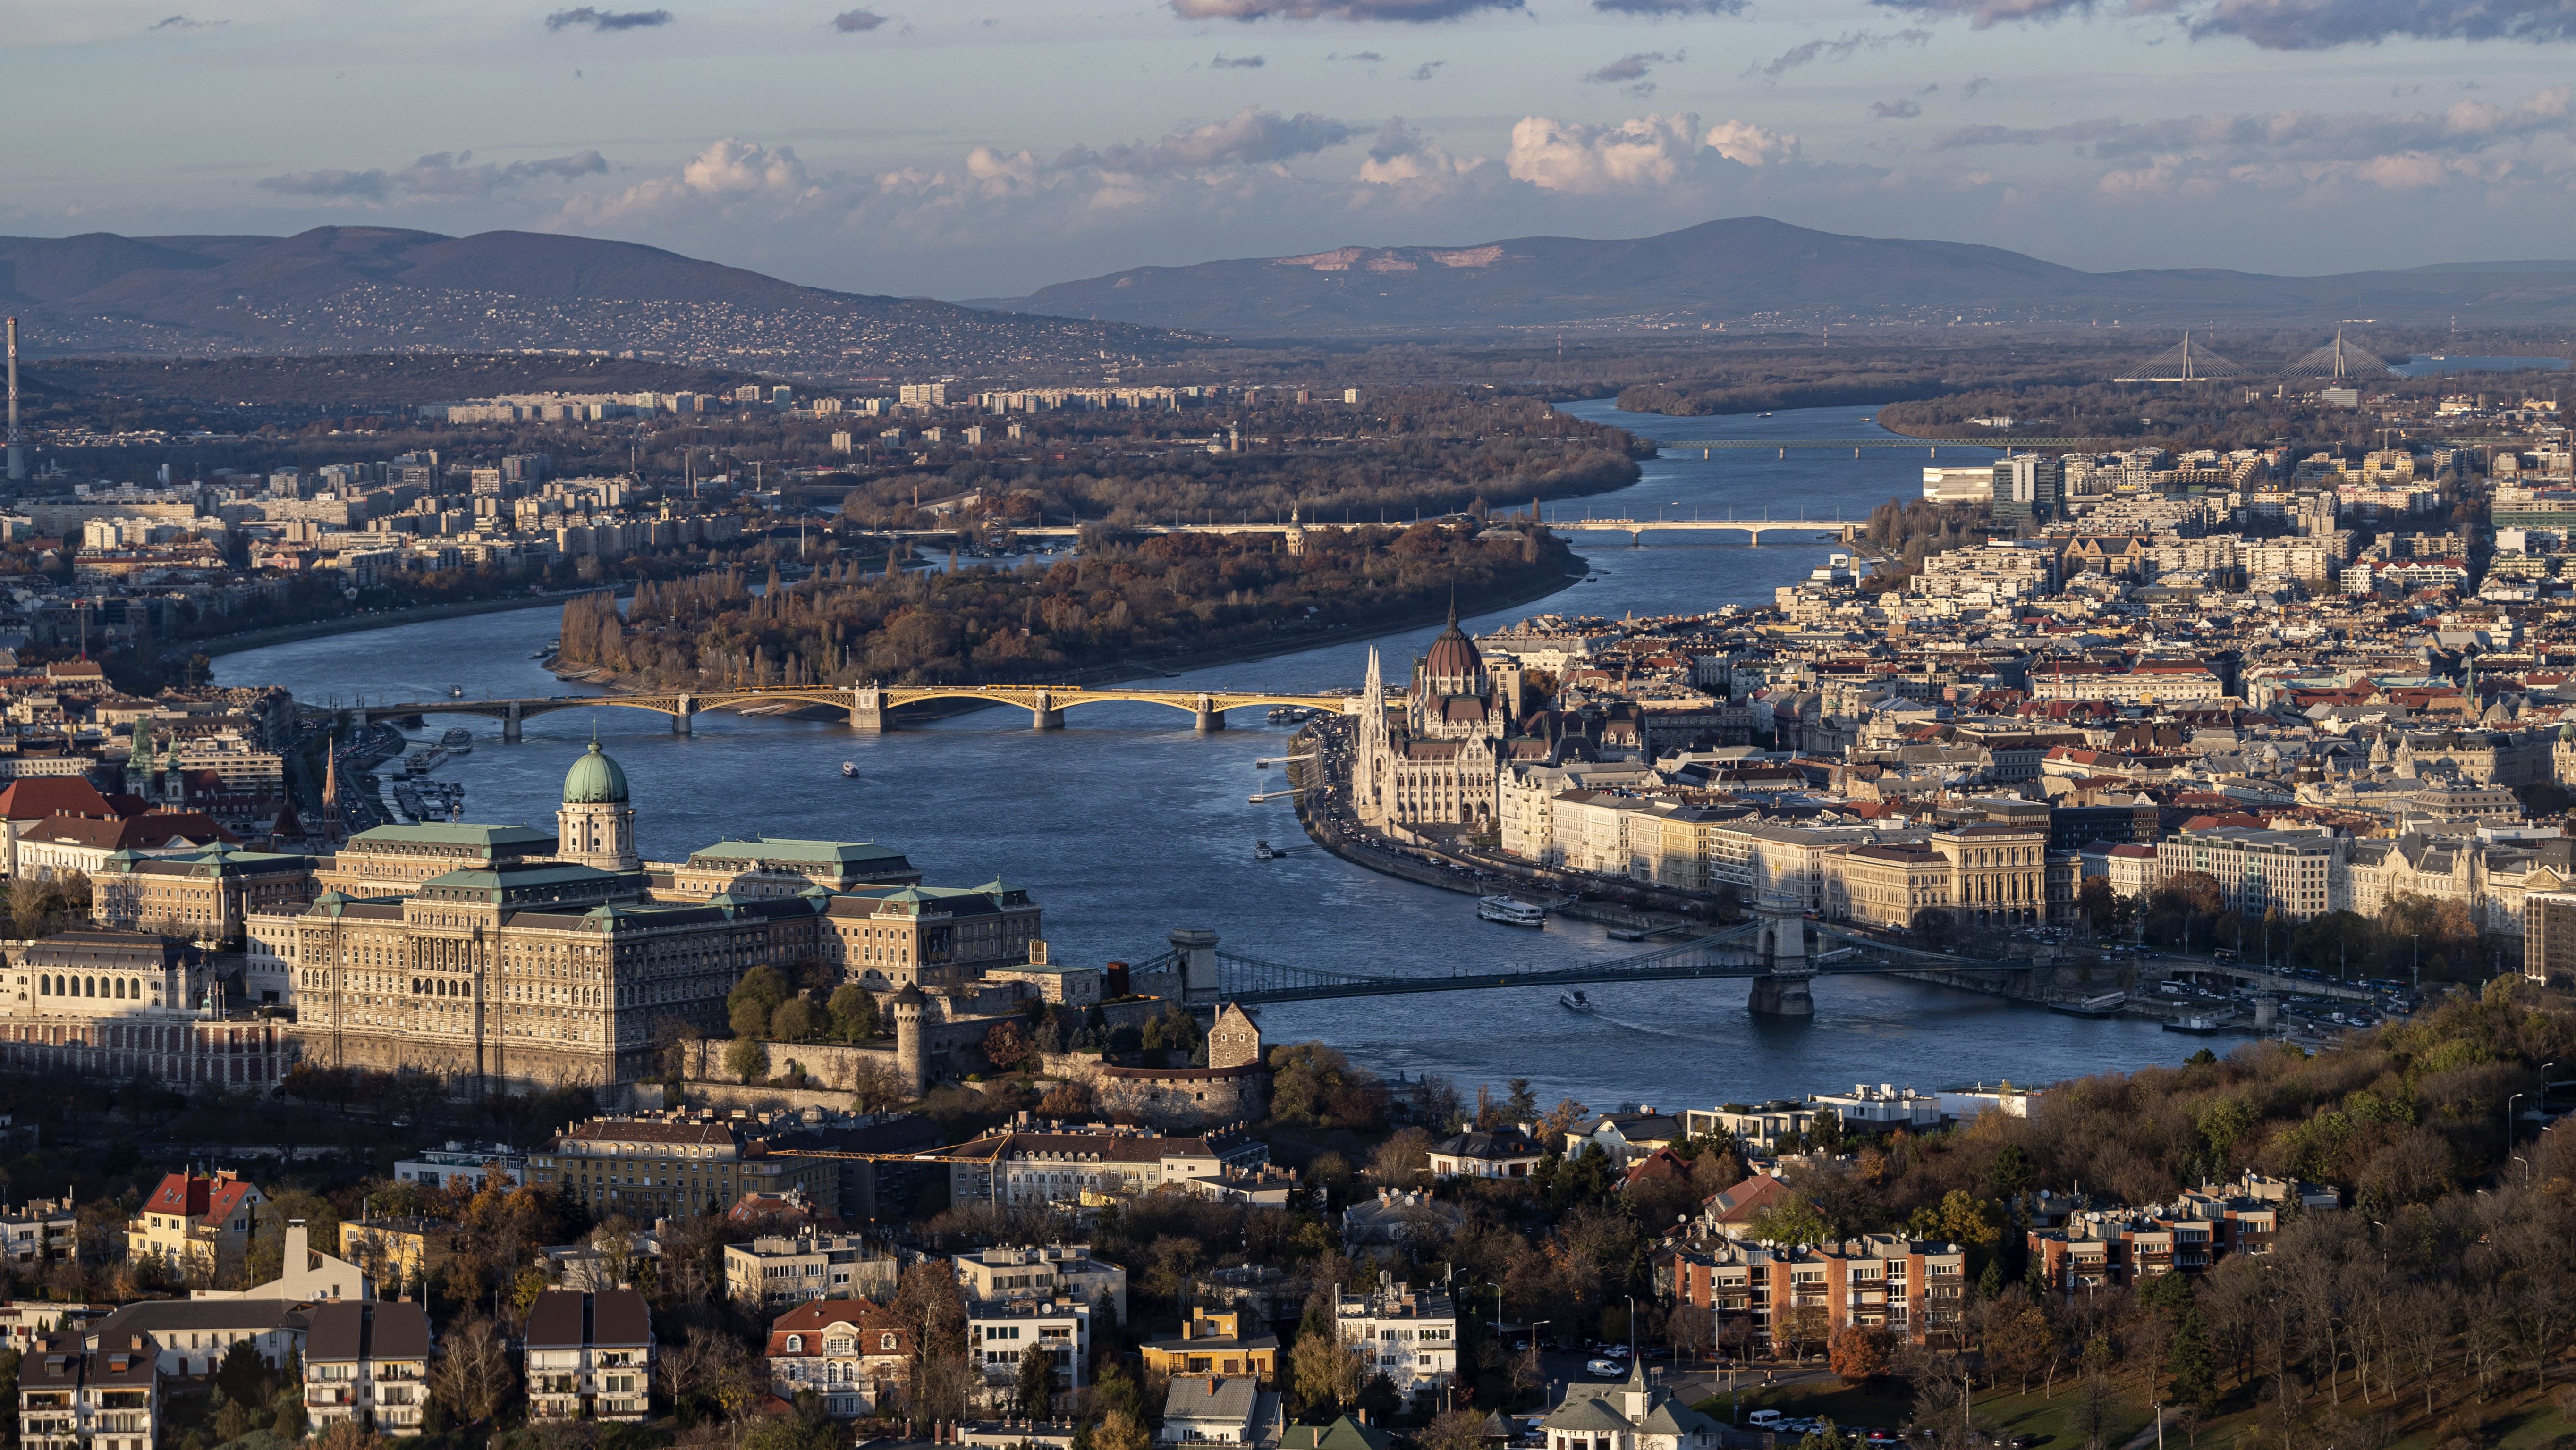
(1608, 1368)
(1764, 1418)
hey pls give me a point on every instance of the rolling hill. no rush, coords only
(1755, 270)
(378, 289)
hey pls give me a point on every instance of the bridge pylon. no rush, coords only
(1782, 989)
(684, 718)
(1194, 951)
(1047, 715)
(510, 725)
(1210, 718)
(869, 713)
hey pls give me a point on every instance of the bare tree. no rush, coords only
(473, 1375)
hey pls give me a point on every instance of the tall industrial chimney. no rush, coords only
(17, 453)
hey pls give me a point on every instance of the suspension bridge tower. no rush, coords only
(1781, 990)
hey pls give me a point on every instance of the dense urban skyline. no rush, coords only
(988, 150)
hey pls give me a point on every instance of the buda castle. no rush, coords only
(524, 958)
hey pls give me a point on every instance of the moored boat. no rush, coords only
(1510, 911)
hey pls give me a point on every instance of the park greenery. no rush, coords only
(1119, 600)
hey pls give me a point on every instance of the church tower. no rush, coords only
(596, 826)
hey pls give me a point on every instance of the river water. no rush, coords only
(1127, 824)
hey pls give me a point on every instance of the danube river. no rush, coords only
(1126, 824)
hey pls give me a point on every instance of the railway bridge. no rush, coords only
(870, 708)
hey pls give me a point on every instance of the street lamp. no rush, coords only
(2508, 1121)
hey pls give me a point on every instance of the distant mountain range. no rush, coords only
(1754, 270)
(377, 289)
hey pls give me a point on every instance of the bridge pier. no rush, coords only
(510, 725)
(1048, 715)
(869, 714)
(1781, 996)
(1210, 718)
(684, 720)
(358, 720)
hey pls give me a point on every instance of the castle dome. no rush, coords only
(1453, 655)
(594, 780)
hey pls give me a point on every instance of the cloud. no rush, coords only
(1751, 145)
(328, 185)
(1237, 62)
(1631, 67)
(729, 172)
(2465, 126)
(598, 19)
(1355, 55)
(1412, 11)
(182, 22)
(1426, 70)
(1402, 156)
(1645, 153)
(2318, 155)
(1671, 7)
(1844, 48)
(1903, 110)
(1249, 137)
(440, 176)
(857, 22)
(2295, 24)
(1976, 84)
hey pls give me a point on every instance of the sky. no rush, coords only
(985, 148)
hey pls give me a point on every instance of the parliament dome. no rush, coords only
(594, 780)
(1453, 655)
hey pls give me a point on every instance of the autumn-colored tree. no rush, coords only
(1008, 1045)
(1859, 1353)
(1326, 1373)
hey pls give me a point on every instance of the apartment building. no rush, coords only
(191, 1336)
(369, 1363)
(2097, 1248)
(779, 1269)
(195, 1227)
(2257, 870)
(24, 1323)
(40, 1231)
(1091, 1166)
(999, 1332)
(1757, 1129)
(1410, 1335)
(1802, 1295)
(474, 1165)
(589, 1356)
(656, 1166)
(1882, 1109)
(853, 1353)
(397, 1251)
(73, 1398)
(1214, 1341)
(1043, 1272)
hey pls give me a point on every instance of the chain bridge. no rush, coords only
(871, 708)
(1769, 952)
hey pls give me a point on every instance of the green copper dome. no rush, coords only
(594, 780)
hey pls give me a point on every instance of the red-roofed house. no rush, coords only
(63, 845)
(195, 1228)
(33, 799)
(851, 1352)
(1732, 1211)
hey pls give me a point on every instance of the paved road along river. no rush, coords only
(1126, 824)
